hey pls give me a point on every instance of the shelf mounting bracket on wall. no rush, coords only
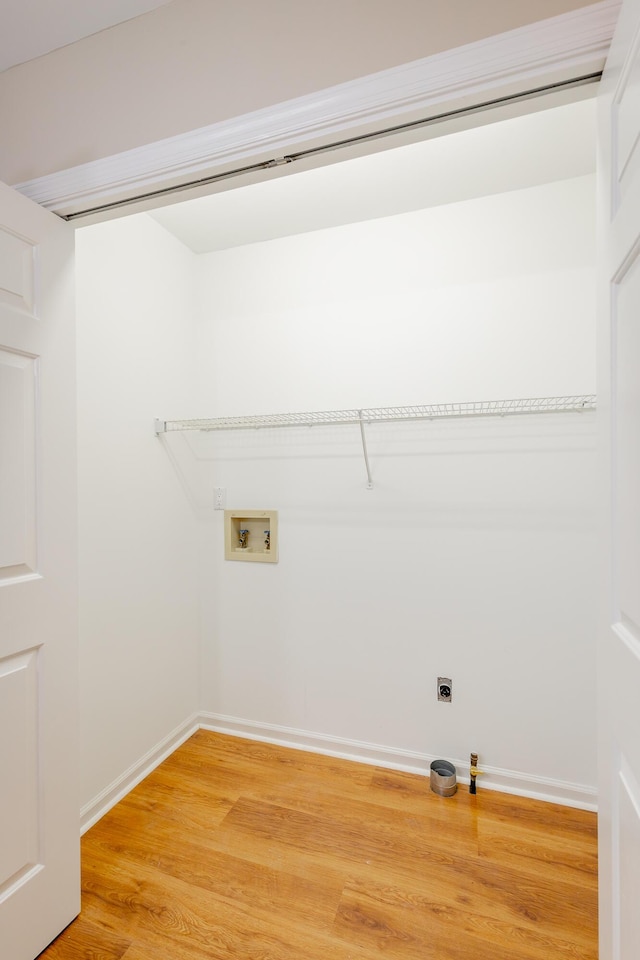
(433, 411)
(364, 450)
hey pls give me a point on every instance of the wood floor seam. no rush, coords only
(233, 850)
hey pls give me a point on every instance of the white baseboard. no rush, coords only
(577, 795)
(569, 45)
(581, 796)
(91, 812)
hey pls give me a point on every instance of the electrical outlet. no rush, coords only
(219, 498)
(444, 689)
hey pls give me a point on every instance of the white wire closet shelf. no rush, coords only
(430, 411)
(364, 416)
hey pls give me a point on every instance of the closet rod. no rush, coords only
(432, 411)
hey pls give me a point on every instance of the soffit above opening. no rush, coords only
(545, 54)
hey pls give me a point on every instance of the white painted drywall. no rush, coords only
(499, 157)
(192, 63)
(139, 620)
(33, 30)
(473, 556)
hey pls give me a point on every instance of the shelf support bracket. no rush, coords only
(364, 450)
(159, 426)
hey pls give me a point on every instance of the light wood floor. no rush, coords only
(242, 851)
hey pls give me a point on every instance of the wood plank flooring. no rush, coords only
(236, 849)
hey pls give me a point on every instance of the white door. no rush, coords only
(619, 411)
(39, 808)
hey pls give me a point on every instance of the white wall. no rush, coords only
(139, 621)
(473, 555)
(192, 63)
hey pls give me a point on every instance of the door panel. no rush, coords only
(626, 468)
(17, 273)
(19, 832)
(619, 414)
(628, 845)
(626, 114)
(18, 543)
(39, 807)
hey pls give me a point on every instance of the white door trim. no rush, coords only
(559, 48)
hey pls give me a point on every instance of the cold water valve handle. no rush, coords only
(473, 773)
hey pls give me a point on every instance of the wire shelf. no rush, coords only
(433, 411)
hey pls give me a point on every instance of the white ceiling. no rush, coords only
(31, 28)
(537, 148)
